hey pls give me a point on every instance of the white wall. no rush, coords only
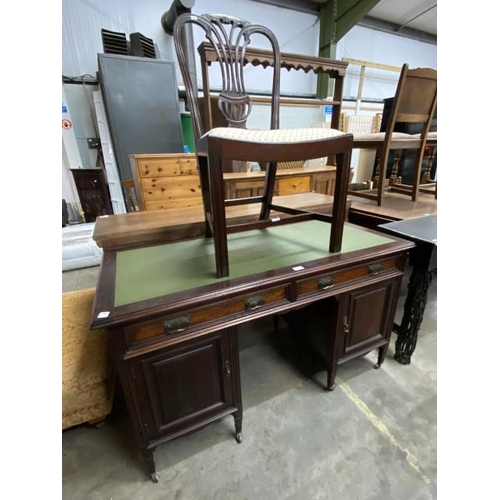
(375, 46)
(297, 32)
(83, 20)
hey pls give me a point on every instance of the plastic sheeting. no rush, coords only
(79, 250)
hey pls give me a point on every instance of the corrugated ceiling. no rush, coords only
(419, 15)
(405, 17)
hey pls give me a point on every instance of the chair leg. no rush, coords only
(376, 175)
(426, 168)
(384, 158)
(339, 208)
(416, 174)
(268, 191)
(395, 168)
(205, 193)
(218, 217)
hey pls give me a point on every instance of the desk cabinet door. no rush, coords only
(183, 387)
(366, 318)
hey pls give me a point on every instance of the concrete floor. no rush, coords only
(373, 437)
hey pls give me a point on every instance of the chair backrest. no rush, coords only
(229, 37)
(415, 99)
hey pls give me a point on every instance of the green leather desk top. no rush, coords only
(150, 272)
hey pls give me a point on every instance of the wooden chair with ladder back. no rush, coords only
(414, 102)
(229, 37)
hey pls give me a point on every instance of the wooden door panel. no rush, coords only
(178, 387)
(182, 383)
(324, 183)
(367, 319)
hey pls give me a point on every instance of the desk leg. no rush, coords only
(420, 280)
(149, 462)
(331, 372)
(238, 422)
(381, 356)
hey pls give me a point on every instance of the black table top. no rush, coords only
(420, 229)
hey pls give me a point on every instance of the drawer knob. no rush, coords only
(346, 325)
(227, 368)
(254, 302)
(326, 283)
(374, 269)
(177, 324)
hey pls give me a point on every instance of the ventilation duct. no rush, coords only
(114, 42)
(177, 8)
(142, 46)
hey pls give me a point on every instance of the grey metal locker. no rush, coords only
(142, 105)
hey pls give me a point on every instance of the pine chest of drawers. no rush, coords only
(166, 180)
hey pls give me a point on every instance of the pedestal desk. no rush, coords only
(172, 323)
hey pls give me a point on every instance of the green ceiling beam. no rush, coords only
(337, 17)
(327, 44)
(349, 13)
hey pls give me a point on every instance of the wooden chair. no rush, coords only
(128, 186)
(230, 36)
(414, 102)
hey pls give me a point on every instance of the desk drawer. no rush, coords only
(330, 281)
(196, 318)
(294, 185)
(158, 167)
(170, 188)
(188, 166)
(244, 189)
(175, 203)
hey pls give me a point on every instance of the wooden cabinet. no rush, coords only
(244, 188)
(180, 387)
(288, 181)
(166, 180)
(93, 192)
(365, 318)
(351, 324)
(171, 181)
(324, 182)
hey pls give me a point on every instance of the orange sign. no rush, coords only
(66, 124)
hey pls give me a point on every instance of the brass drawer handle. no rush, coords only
(374, 269)
(326, 283)
(254, 302)
(176, 324)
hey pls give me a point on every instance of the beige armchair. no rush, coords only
(87, 381)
